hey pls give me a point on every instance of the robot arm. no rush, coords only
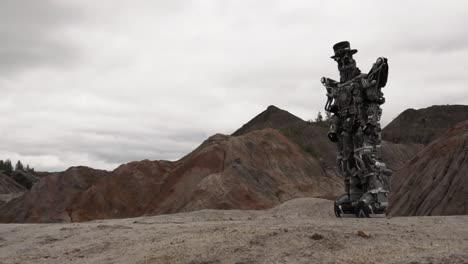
(375, 80)
(330, 85)
(379, 72)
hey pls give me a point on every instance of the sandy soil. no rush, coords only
(298, 231)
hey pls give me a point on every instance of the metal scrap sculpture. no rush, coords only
(354, 103)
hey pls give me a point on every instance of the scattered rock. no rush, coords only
(363, 234)
(316, 236)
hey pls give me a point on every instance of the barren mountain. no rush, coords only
(48, 199)
(310, 136)
(424, 125)
(435, 182)
(253, 171)
(302, 230)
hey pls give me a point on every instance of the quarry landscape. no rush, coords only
(261, 195)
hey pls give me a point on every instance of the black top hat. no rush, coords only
(342, 48)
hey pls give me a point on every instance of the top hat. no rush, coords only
(342, 48)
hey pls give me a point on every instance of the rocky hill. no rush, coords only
(48, 199)
(424, 125)
(435, 182)
(257, 170)
(310, 136)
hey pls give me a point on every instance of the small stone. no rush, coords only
(316, 236)
(363, 234)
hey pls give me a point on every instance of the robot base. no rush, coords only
(371, 204)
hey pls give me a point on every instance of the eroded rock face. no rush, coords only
(8, 185)
(310, 136)
(424, 125)
(435, 182)
(396, 155)
(253, 171)
(48, 199)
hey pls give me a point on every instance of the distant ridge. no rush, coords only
(424, 125)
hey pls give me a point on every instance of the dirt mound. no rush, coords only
(424, 125)
(435, 182)
(8, 185)
(396, 155)
(48, 199)
(254, 171)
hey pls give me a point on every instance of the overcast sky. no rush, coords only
(100, 83)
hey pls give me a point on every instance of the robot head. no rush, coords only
(346, 64)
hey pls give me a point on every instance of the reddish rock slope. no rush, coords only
(252, 171)
(435, 182)
(48, 199)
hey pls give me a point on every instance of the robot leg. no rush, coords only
(374, 201)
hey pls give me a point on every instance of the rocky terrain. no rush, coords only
(297, 231)
(424, 125)
(435, 182)
(273, 158)
(48, 199)
(254, 171)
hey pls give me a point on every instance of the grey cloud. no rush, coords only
(155, 79)
(31, 36)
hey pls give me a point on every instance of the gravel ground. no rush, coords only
(298, 231)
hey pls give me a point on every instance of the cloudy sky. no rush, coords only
(100, 83)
